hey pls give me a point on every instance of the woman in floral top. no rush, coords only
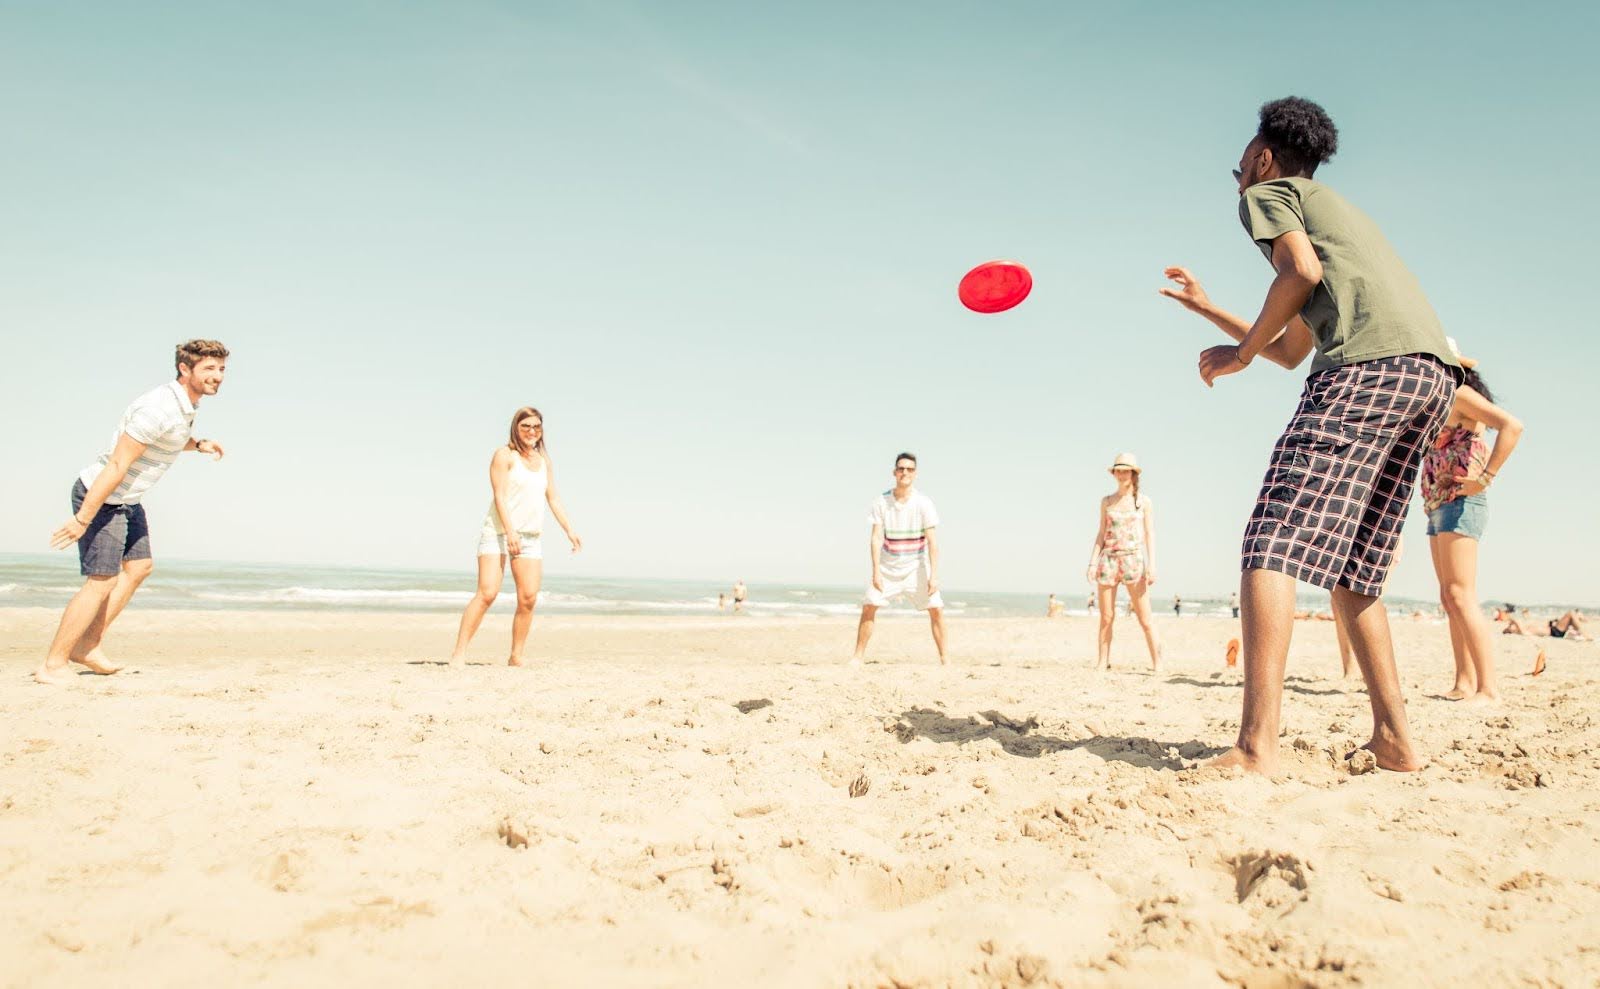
(1124, 555)
(1456, 472)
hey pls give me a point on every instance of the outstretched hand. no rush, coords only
(1189, 292)
(70, 532)
(1218, 361)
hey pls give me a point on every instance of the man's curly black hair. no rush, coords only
(1299, 132)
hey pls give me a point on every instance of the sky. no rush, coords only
(717, 244)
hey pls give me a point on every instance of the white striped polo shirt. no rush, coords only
(163, 420)
(905, 532)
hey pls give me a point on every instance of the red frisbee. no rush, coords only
(995, 286)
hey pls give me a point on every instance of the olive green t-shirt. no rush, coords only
(1368, 305)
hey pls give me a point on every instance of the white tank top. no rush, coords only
(525, 490)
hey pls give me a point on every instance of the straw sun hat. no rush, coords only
(1127, 460)
(1466, 362)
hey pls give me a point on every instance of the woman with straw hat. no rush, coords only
(1456, 472)
(1124, 554)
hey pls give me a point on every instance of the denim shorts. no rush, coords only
(1467, 516)
(117, 534)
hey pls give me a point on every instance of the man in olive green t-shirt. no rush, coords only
(1336, 490)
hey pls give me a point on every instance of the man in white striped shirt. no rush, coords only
(108, 522)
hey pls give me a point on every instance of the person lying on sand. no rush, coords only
(1569, 626)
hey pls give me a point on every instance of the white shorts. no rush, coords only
(491, 543)
(913, 587)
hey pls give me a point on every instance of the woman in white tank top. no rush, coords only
(521, 485)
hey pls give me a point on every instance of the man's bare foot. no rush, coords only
(1237, 757)
(98, 662)
(515, 661)
(1397, 757)
(56, 675)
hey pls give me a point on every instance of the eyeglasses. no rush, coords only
(1237, 175)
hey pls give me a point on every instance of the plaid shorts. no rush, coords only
(1335, 495)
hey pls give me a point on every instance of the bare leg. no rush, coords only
(85, 615)
(1139, 596)
(491, 571)
(1368, 623)
(1458, 586)
(1266, 613)
(1347, 652)
(1108, 616)
(1466, 683)
(91, 654)
(936, 622)
(869, 614)
(528, 574)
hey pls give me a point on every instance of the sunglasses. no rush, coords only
(905, 470)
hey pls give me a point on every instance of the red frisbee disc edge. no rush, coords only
(995, 286)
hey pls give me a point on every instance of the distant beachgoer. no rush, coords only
(1456, 473)
(108, 520)
(1177, 606)
(1124, 555)
(1571, 625)
(904, 549)
(1090, 605)
(740, 593)
(1233, 603)
(1335, 493)
(521, 482)
(722, 601)
(1054, 608)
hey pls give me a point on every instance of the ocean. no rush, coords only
(49, 580)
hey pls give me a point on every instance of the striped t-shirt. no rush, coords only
(163, 420)
(905, 531)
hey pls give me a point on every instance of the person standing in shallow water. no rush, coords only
(1336, 489)
(1124, 555)
(108, 520)
(521, 484)
(1456, 473)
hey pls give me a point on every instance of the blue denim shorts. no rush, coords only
(118, 533)
(1467, 516)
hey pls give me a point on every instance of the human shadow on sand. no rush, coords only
(1291, 684)
(1017, 737)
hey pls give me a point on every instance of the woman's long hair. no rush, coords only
(1472, 379)
(517, 443)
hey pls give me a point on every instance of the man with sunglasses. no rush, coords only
(904, 548)
(1336, 490)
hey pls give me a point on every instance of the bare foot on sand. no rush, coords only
(515, 661)
(98, 662)
(1237, 757)
(1459, 693)
(54, 675)
(1483, 697)
(458, 661)
(1393, 755)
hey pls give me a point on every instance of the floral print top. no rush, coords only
(1458, 450)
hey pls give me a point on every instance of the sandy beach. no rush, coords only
(305, 798)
